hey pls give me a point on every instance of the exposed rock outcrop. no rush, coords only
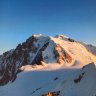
(38, 59)
(57, 93)
(61, 55)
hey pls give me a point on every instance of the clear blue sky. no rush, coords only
(21, 18)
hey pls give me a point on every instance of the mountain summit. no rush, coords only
(47, 55)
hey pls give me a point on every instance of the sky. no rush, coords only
(19, 19)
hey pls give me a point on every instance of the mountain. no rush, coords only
(48, 66)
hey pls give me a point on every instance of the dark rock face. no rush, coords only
(11, 61)
(5, 75)
(56, 78)
(61, 54)
(39, 57)
(6, 69)
(71, 40)
(77, 80)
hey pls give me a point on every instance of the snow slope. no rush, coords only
(36, 82)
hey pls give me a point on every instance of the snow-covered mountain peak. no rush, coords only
(43, 54)
(37, 35)
(48, 66)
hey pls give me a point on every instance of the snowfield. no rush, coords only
(35, 82)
